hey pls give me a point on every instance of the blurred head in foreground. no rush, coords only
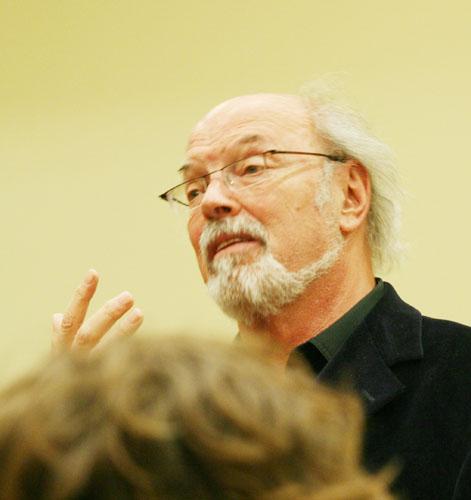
(179, 418)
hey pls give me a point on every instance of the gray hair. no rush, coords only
(346, 130)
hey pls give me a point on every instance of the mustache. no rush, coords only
(240, 224)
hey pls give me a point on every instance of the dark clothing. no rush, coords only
(329, 341)
(414, 375)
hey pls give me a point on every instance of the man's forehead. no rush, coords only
(248, 125)
(242, 118)
(250, 107)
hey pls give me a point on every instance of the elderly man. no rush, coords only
(292, 206)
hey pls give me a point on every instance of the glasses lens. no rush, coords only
(188, 194)
(238, 175)
(176, 196)
(244, 173)
(193, 191)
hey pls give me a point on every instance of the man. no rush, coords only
(300, 206)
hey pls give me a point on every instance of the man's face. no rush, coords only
(296, 230)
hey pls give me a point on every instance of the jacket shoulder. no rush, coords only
(447, 339)
(439, 326)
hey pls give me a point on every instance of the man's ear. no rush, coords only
(357, 197)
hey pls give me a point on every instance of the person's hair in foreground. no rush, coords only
(179, 418)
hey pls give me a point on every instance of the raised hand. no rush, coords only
(71, 330)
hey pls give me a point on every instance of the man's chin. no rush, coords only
(232, 261)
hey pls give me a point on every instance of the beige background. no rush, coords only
(97, 98)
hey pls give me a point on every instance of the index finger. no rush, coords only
(77, 309)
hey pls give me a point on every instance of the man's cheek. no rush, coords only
(200, 259)
(194, 237)
(202, 265)
(194, 232)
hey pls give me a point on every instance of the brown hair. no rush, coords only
(179, 418)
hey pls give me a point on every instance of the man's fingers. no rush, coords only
(58, 341)
(71, 331)
(126, 326)
(77, 308)
(57, 322)
(89, 334)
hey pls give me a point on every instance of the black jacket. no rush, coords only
(414, 375)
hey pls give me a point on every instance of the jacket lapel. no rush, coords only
(391, 333)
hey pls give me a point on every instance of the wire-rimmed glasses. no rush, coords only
(239, 175)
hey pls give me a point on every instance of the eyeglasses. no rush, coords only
(239, 175)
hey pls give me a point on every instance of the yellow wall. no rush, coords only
(96, 101)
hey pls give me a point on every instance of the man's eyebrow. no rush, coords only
(183, 168)
(247, 139)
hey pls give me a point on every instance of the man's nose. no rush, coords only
(218, 200)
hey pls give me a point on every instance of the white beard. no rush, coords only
(252, 291)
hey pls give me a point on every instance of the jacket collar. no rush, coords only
(391, 333)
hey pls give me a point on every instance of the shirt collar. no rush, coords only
(329, 341)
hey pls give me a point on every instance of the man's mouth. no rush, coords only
(228, 243)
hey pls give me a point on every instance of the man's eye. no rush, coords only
(193, 192)
(251, 169)
(191, 195)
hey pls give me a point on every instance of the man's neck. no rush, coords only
(326, 300)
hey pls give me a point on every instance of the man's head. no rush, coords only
(284, 203)
(302, 219)
(173, 418)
